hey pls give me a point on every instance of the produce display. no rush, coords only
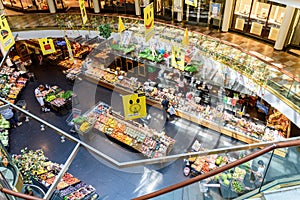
(34, 165)
(149, 142)
(57, 97)
(4, 138)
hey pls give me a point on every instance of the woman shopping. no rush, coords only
(40, 97)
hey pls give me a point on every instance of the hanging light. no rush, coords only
(42, 127)
(62, 139)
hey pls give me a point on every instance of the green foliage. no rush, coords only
(105, 30)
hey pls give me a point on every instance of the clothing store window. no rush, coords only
(261, 18)
(26, 5)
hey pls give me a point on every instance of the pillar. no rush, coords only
(51, 6)
(1, 8)
(137, 7)
(284, 28)
(227, 15)
(96, 6)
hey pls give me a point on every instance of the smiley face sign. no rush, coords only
(177, 60)
(134, 106)
(47, 46)
(149, 21)
(6, 38)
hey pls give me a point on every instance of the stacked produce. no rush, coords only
(34, 165)
(144, 141)
(58, 97)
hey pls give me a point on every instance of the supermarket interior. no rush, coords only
(113, 100)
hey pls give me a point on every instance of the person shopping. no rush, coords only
(11, 115)
(40, 97)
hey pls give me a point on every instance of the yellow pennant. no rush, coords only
(69, 49)
(149, 21)
(83, 11)
(121, 26)
(7, 39)
(134, 106)
(47, 46)
(185, 40)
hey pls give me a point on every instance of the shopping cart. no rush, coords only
(74, 114)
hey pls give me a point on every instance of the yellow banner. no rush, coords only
(185, 40)
(121, 26)
(134, 106)
(69, 49)
(149, 21)
(7, 39)
(177, 60)
(191, 2)
(47, 46)
(83, 11)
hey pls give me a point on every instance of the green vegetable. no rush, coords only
(226, 182)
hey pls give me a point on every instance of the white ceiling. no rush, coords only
(293, 3)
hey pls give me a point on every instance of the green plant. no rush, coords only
(105, 30)
(29, 162)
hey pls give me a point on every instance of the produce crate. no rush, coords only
(75, 113)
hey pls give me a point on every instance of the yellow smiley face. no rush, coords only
(134, 106)
(47, 46)
(149, 16)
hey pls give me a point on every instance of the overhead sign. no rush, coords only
(69, 49)
(191, 2)
(134, 106)
(149, 21)
(47, 46)
(177, 60)
(83, 11)
(7, 39)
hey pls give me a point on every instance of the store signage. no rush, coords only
(7, 38)
(215, 10)
(69, 49)
(185, 40)
(134, 106)
(273, 33)
(121, 26)
(256, 28)
(149, 21)
(47, 46)
(83, 11)
(239, 24)
(191, 2)
(177, 60)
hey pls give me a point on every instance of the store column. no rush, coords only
(137, 7)
(284, 28)
(1, 8)
(227, 15)
(51, 6)
(96, 6)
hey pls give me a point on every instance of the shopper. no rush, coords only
(10, 114)
(165, 104)
(40, 97)
(257, 175)
(28, 191)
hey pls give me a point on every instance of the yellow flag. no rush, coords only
(149, 21)
(177, 59)
(134, 106)
(121, 26)
(185, 40)
(69, 49)
(83, 11)
(7, 39)
(47, 46)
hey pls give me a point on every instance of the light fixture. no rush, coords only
(26, 119)
(42, 127)
(62, 139)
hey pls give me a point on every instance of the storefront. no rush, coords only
(27, 5)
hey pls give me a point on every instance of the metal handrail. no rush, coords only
(18, 194)
(219, 170)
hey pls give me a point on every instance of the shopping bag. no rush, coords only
(172, 110)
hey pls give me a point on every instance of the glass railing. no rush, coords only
(247, 180)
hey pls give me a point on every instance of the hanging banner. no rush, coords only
(191, 2)
(134, 106)
(149, 21)
(69, 49)
(83, 11)
(121, 26)
(7, 39)
(185, 40)
(47, 46)
(177, 60)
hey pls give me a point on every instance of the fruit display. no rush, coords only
(34, 165)
(237, 186)
(4, 138)
(148, 142)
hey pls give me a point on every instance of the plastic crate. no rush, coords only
(75, 113)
